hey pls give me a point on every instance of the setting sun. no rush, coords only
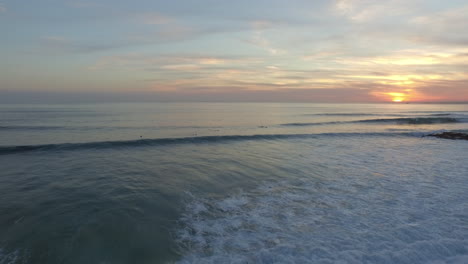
(397, 97)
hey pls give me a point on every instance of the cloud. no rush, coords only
(381, 46)
(61, 44)
(196, 94)
(3, 9)
(444, 27)
(258, 37)
(181, 67)
(154, 63)
(83, 4)
(413, 57)
(154, 19)
(389, 73)
(165, 30)
(259, 40)
(445, 90)
(298, 95)
(353, 92)
(415, 21)
(455, 17)
(369, 10)
(160, 28)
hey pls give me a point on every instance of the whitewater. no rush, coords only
(233, 183)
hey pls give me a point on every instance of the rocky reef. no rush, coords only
(450, 135)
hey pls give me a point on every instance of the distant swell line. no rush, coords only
(343, 114)
(26, 128)
(167, 141)
(31, 127)
(382, 114)
(408, 121)
(415, 120)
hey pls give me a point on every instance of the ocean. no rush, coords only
(233, 183)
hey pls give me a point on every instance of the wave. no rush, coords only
(104, 128)
(315, 124)
(440, 114)
(407, 121)
(317, 221)
(35, 111)
(343, 114)
(414, 120)
(30, 127)
(5, 150)
(9, 257)
(422, 112)
(382, 114)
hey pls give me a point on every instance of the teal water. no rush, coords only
(232, 183)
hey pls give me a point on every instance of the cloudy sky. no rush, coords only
(243, 50)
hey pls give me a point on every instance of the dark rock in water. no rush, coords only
(450, 135)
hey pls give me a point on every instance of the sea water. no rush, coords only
(233, 183)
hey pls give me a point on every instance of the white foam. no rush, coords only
(9, 257)
(331, 223)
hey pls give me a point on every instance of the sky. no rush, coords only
(241, 51)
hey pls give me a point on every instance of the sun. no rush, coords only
(397, 97)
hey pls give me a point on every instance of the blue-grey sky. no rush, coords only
(207, 50)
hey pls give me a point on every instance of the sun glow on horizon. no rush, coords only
(397, 97)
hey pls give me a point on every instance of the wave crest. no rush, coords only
(414, 120)
(406, 121)
(167, 141)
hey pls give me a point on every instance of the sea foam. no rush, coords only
(310, 223)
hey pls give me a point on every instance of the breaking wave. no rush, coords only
(415, 120)
(9, 257)
(406, 121)
(315, 223)
(185, 140)
(343, 114)
(368, 114)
